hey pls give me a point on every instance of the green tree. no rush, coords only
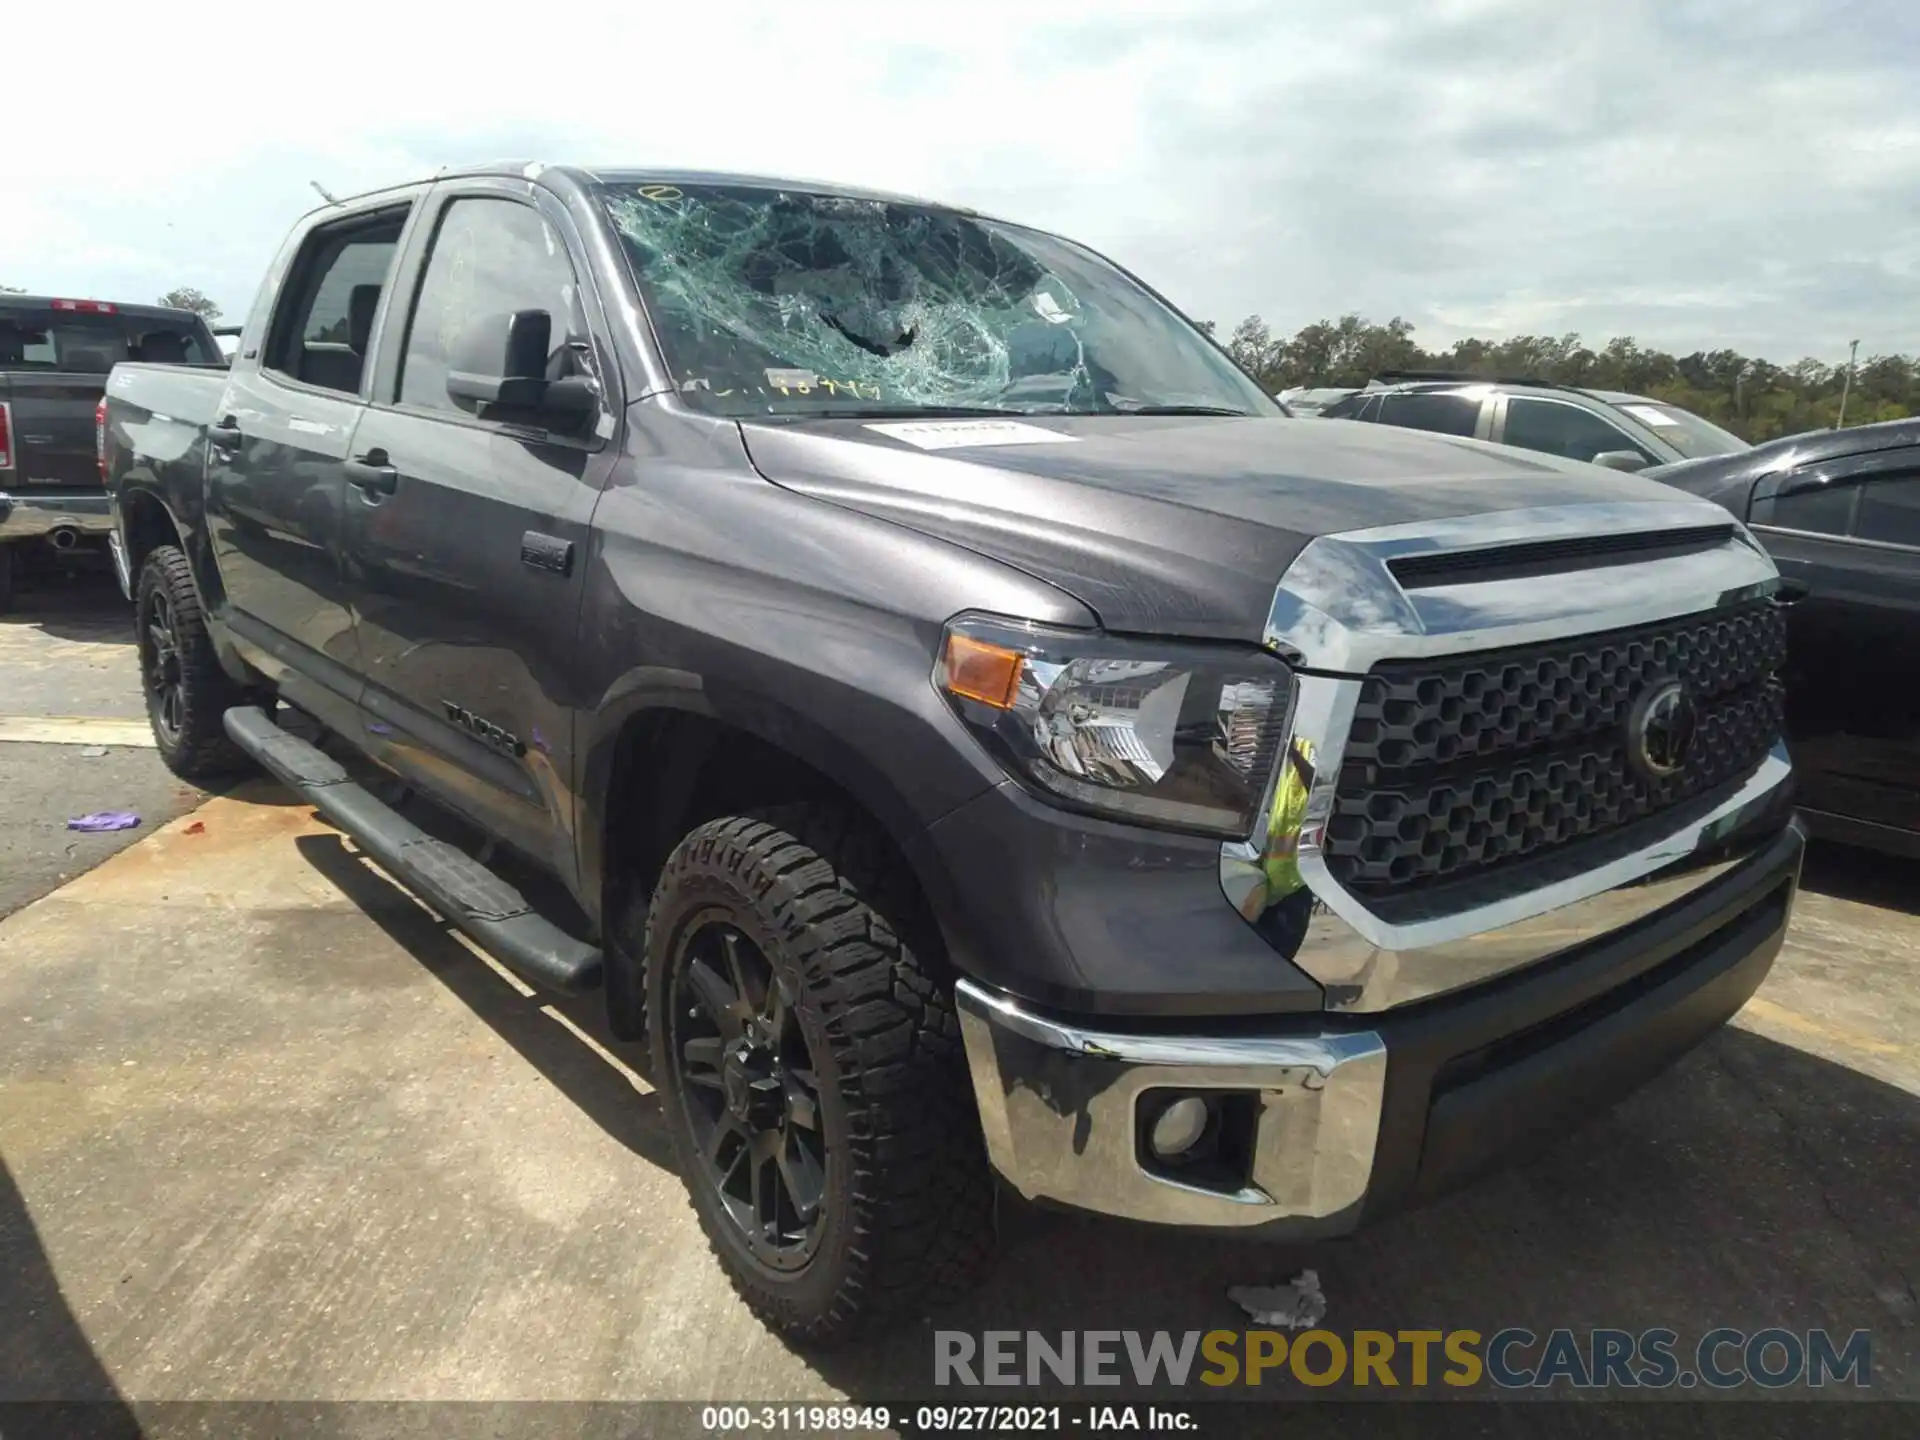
(1756, 399)
(188, 298)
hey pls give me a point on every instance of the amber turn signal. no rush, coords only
(976, 670)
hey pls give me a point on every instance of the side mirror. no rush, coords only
(1621, 460)
(500, 364)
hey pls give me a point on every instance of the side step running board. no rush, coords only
(495, 915)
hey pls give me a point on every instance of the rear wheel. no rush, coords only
(813, 1074)
(6, 578)
(187, 691)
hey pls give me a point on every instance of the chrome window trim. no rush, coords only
(1893, 547)
(1339, 611)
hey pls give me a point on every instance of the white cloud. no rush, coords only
(1697, 174)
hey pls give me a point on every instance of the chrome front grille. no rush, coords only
(1456, 767)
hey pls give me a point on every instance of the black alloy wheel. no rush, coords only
(811, 1071)
(751, 1094)
(160, 668)
(187, 691)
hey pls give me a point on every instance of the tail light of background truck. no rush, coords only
(6, 436)
(100, 437)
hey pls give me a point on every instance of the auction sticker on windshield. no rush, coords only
(952, 434)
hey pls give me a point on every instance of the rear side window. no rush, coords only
(89, 343)
(1554, 427)
(1816, 508)
(1442, 414)
(323, 325)
(1353, 407)
(1890, 511)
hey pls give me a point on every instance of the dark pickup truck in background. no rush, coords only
(1839, 511)
(54, 358)
(974, 728)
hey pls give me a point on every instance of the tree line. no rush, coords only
(1756, 399)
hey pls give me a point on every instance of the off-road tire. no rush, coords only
(198, 748)
(6, 577)
(909, 1195)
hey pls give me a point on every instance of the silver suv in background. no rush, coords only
(1602, 427)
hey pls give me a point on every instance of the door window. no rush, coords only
(1816, 506)
(324, 323)
(490, 258)
(1442, 414)
(1890, 511)
(1555, 427)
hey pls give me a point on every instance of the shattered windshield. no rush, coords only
(781, 302)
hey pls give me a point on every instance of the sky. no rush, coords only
(1698, 174)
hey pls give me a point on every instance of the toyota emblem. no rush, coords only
(1660, 730)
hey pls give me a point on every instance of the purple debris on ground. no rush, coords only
(105, 820)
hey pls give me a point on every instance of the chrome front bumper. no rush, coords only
(27, 516)
(1331, 1133)
(1058, 1106)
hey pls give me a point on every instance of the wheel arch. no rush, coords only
(659, 768)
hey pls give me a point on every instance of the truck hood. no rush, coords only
(1167, 525)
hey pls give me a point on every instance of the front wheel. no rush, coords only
(813, 1075)
(187, 691)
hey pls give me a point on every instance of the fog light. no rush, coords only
(1179, 1127)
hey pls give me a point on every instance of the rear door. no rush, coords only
(277, 469)
(1849, 532)
(468, 566)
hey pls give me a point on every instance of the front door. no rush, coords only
(276, 475)
(468, 565)
(1849, 533)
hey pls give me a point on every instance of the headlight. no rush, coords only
(1181, 736)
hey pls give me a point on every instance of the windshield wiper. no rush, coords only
(1180, 410)
(876, 412)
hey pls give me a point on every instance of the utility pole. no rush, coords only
(1847, 384)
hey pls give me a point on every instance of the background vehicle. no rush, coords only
(1602, 427)
(54, 359)
(1308, 402)
(1839, 510)
(973, 734)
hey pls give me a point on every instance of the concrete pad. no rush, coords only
(70, 686)
(68, 650)
(230, 1109)
(75, 730)
(273, 1132)
(44, 786)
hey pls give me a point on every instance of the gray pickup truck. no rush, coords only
(975, 730)
(54, 358)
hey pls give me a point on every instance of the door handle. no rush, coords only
(371, 473)
(224, 433)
